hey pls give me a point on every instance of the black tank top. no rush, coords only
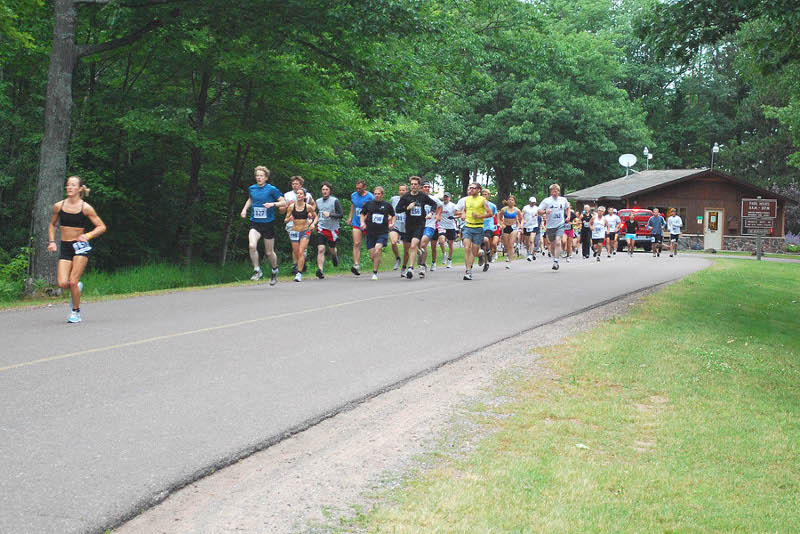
(300, 214)
(73, 220)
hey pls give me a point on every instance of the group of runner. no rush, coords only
(413, 216)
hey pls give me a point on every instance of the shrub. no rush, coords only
(12, 276)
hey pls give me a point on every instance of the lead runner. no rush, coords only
(556, 208)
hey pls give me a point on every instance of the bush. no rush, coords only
(793, 248)
(12, 276)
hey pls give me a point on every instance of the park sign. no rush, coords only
(759, 207)
(752, 223)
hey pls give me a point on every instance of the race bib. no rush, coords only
(357, 213)
(377, 218)
(556, 216)
(530, 229)
(294, 236)
(514, 227)
(400, 218)
(259, 213)
(81, 247)
(416, 211)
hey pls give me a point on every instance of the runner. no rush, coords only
(263, 199)
(630, 233)
(431, 233)
(473, 209)
(490, 239)
(530, 228)
(567, 242)
(412, 205)
(73, 214)
(586, 231)
(330, 213)
(359, 197)
(303, 218)
(656, 224)
(376, 219)
(397, 232)
(613, 225)
(511, 219)
(599, 225)
(447, 230)
(557, 210)
(291, 196)
(674, 223)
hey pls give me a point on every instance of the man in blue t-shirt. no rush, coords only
(656, 223)
(264, 198)
(359, 198)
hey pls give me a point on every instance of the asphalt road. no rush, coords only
(102, 419)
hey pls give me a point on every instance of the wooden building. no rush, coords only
(712, 204)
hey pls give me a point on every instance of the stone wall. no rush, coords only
(689, 242)
(748, 243)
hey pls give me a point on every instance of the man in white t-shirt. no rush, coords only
(431, 233)
(530, 227)
(613, 221)
(447, 229)
(674, 224)
(291, 197)
(556, 209)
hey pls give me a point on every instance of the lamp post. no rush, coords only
(714, 150)
(647, 157)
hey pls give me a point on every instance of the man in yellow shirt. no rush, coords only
(473, 208)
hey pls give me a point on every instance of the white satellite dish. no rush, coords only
(627, 161)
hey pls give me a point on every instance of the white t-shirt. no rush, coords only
(431, 223)
(674, 224)
(613, 222)
(598, 228)
(530, 217)
(558, 207)
(448, 211)
(291, 196)
(399, 218)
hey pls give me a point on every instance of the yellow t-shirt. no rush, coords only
(474, 204)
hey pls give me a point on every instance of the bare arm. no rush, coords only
(246, 207)
(350, 215)
(51, 230)
(99, 225)
(314, 217)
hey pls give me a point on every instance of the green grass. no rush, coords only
(744, 253)
(160, 277)
(682, 416)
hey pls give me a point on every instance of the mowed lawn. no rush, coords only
(682, 416)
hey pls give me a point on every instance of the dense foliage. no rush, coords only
(167, 128)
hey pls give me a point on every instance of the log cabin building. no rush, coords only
(709, 202)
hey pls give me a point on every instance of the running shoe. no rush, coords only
(74, 317)
(257, 274)
(396, 264)
(615, 253)
(273, 278)
(568, 260)
(403, 272)
(294, 268)
(659, 254)
(355, 271)
(374, 276)
(508, 264)
(335, 260)
(298, 277)
(529, 258)
(468, 275)
(486, 266)
(320, 274)
(433, 266)
(670, 255)
(598, 258)
(555, 266)
(422, 269)
(410, 273)
(449, 263)
(654, 254)
(481, 258)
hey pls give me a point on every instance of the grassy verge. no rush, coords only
(161, 277)
(682, 416)
(787, 255)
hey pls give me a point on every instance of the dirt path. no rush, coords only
(307, 482)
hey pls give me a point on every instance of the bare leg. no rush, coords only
(252, 239)
(357, 246)
(376, 256)
(320, 256)
(269, 248)
(78, 265)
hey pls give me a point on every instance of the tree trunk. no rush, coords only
(55, 143)
(193, 187)
(464, 181)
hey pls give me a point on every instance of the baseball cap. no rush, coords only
(532, 199)
(446, 194)
(426, 183)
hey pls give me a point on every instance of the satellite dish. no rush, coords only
(627, 160)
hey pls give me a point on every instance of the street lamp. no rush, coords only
(647, 157)
(714, 150)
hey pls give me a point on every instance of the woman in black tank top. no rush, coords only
(73, 215)
(303, 218)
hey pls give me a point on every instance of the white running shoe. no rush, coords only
(449, 263)
(468, 275)
(529, 258)
(374, 276)
(273, 279)
(298, 277)
(508, 264)
(568, 260)
(396, 264)
(422, 271)
(433, 266)
(74, 317)
(403, 272)
(257, 274)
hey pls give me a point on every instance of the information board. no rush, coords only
(759, 207)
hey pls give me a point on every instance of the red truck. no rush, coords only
(642, 231)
